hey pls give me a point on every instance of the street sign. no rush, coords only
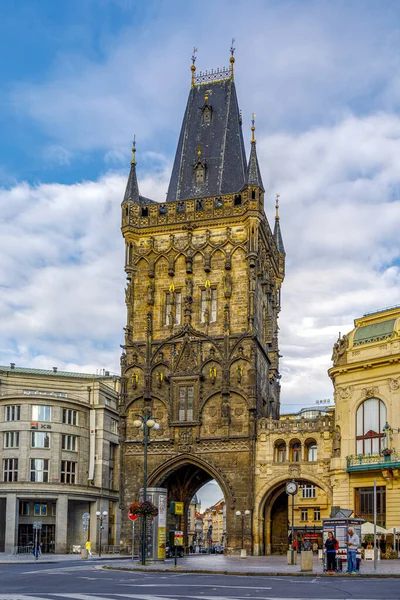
(176, 508)
(132, 517)
(37, 525)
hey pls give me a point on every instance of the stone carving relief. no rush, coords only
(336, 442)
(344, 393)
(394, 384)
(369, 392)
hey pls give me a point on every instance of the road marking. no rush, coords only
(202, 585)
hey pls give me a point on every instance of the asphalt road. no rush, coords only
(90, 582)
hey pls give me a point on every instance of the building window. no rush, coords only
(23, 508)
(69, 416)
(40, 470)
(317, 514)
(173, 308)
(68, 469)
(371, 417)
(112, 461)
(200, 175)
(295, 451)
(11, 439)
(39, 510)
(208, 309)
(114, 426)
(280, 452)
(186, 399)
(364, 502)
(308, 491)
(40, 439)
(41, 412)
(13, 412)
(312, 451)
(304, 514)
(69, 442)
(10, 469)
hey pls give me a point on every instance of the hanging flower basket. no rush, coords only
(143, 509)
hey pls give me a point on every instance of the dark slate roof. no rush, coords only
(132, 189)
(253, 170)
(278, 236)
(220, 143)
(31, 371)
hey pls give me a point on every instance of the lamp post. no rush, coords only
(243, 515)
(100, 516)
(145, 422)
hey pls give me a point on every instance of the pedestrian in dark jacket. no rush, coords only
(331, 546)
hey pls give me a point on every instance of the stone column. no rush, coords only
(11, 523)
(61, 524)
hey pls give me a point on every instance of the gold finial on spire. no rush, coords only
(133, 161)
(253, 128)
(277, 206)
(199, 150)
(232, 58)
(193, 67)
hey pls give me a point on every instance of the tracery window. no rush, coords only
(186, 400)
(371, 417)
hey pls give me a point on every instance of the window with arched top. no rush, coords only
(280, 452)
(311, 451)
(295, 451)
(371, 417)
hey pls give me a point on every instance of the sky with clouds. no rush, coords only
(80, 78)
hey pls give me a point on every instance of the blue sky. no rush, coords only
(80, 78)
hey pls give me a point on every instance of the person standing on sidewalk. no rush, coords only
(352, 547)
(330, 546)
(89, 548)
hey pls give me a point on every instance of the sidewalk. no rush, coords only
(57, 558)
(255, 565)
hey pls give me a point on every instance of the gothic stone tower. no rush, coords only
(204, 276)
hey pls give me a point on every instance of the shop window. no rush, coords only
(40, 439)
(13, 412)
(186, 401)
(10, 469)
(371, 417)
(304, 514)
(11, 439)
(308, 491)
(364, 504)
(41, 412)
(69, 416)
(40, 470)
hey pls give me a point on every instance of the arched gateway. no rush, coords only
(204, 273)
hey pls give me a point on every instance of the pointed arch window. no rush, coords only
(371, 417)
(186, 401)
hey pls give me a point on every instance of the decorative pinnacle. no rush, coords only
(232, 58)
(253, 128)
(133, 161)
(193, 67)
(199, 150)
(277, 206)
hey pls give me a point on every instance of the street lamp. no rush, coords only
(243, 515)
(100, 516)
(145, 422)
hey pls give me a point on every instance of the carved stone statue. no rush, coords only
(336, 442)
(123, 360)
(339, 349)
(226, 410)
(228, 285)
(150, 293)
(189, 287)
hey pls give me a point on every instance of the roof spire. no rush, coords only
(133, 161)
(253, 169)
(193, 67)
(253, 128)
(232, 58)
(277, 228)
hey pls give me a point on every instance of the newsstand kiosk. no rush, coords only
(338, 524)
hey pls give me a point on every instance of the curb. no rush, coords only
(253, 573)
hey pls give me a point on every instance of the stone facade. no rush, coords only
(59, 457)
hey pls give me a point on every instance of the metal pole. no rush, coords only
(292, 529)
(144, 519)
(133, 539)
(101, 531)
(375, 549)
(242, 532)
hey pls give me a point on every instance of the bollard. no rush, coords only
(306, 560)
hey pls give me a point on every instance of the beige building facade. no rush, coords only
(59, 457)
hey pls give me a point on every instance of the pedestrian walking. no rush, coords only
(331, 545)
(315, 548)
(89, 548)
(36, 549)
(352, 547)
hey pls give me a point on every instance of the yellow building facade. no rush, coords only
(366, 379)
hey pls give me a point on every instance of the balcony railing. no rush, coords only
(365, 462)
